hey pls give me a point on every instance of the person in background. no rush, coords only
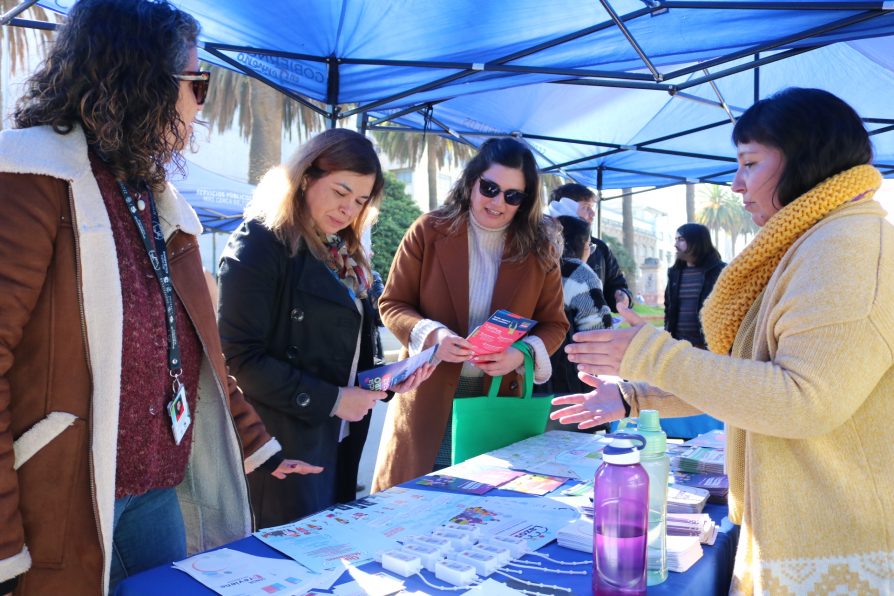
(802, 381)
(576, 200)
(107, 334)
(296, 321)
(489, 247)
(689, 281)
(585, 308)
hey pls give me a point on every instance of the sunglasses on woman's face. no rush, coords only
(491, 189)
(200, 80)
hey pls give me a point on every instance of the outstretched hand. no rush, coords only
(603, 404)
(295, 466)
(600, 352)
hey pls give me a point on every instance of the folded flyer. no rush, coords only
(498, 332)
(385, 377)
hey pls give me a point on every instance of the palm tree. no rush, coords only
(627, 227)
(408, 148)
(742, 225)
(719, 210)
(690, 202)
(261, 114)
(16, 42)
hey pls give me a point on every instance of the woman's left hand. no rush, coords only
(414, 380)
(600, 352)
(295, 466)
(497, 365)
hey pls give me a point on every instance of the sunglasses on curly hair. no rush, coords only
(200, 80)
(491, 189)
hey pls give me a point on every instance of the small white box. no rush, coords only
(428, 554)
(459, 540)
(442, 544)
(517, 546)
(484, 563)
(454, 572)
(473, 531)
(401, 563)
(503, 554)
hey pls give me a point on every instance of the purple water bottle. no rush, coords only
(620, 519)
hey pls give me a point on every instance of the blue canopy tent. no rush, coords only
(218, 200)
(592, 85)
(617, 138)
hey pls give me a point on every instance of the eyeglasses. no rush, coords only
(491, 189)
(200, 80)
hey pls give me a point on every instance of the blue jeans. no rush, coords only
(148, 532)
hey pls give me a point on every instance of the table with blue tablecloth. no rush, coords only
(710, 575)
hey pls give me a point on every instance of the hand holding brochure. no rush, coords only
(498, 332)
(385, 377)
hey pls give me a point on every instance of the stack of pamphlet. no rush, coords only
(686, 499)
(578, 535)
(696, 460)
(717, 485)
(692, 524)
(683, 552)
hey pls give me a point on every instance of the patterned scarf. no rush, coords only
(345, 268)
(742, 281)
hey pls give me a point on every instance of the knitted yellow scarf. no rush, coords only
(742, 281)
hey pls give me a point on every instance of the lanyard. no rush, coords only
(158, 257)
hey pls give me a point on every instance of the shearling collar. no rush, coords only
(41, 150)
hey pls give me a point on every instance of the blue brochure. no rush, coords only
(385, 377)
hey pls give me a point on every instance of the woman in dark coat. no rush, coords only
(689, 281)
(296, 320)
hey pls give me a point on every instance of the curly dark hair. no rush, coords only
(110, 72)
(530, 231)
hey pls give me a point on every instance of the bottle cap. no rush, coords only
(624, 449)
(649, 427)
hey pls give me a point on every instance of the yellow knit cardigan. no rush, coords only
(808, 400)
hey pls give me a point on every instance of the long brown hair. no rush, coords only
(529, 231)
(280, 203)
(110, 71)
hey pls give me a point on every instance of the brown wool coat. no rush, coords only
(429, 279)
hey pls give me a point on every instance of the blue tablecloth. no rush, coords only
(710, 575)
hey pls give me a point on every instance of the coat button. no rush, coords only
(302, 400)
(292, 352)
(297, 314)
(513, 386)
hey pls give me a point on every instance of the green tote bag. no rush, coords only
(482, 424)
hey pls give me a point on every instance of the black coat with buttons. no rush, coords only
(289, 330)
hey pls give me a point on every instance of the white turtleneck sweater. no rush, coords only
(485, 255)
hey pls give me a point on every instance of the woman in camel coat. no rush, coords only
(489, 247)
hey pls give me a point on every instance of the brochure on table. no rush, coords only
(385, 377)
(498, 332)
(355, 532)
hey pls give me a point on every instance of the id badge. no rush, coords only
(178, 410)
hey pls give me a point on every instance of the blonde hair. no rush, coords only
(280, 204)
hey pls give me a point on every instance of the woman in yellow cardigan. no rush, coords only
(800, 328)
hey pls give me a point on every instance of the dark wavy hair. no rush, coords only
(699, 245)
(109, 71)
(818, 133)
(529, 231)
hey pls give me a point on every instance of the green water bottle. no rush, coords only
(657, 464)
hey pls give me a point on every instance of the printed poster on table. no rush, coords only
(498, 332)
